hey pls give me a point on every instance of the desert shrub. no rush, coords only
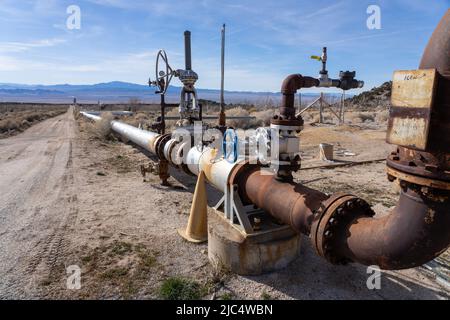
(382, 116)
(238, 112)
(139, 118)
(177, 288)
(366, 116)
(262, 118)
(12, 124)
(3, 126)
(360, 117)
(25, 124)
(102, 129)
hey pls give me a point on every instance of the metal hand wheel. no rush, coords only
(163, 73)
(230, 146)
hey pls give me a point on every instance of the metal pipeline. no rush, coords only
(288, 202)
(187, 50)
(417, 229)
(342, 227)
(289, 88)
(192, 161)
(143, 138)
(413, 233)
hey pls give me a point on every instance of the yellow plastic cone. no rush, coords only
(197, 228)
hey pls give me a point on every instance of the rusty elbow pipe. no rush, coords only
(342, 227)
(417, 230)
(290, 85)
(413, 233)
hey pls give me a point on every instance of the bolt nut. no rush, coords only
(391, 178)
(333, 221)
(350, 204)
(425, 190)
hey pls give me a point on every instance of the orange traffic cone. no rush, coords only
(197, 228)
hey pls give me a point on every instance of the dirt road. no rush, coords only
(38, 204)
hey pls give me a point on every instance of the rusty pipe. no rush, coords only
(290, 85)
(413, 233)
(436, 54)
(288, 202)
(417, 229)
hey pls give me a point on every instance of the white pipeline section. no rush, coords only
(91, 116)
(143, 138)
(197, 159)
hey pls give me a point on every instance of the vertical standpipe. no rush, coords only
(222, 81)
(222, 74)
(187, 50)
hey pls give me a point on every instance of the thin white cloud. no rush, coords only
(377, 35)
(8, 63)
(25, 46)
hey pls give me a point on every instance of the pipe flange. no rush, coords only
(417, 180)
(333, 216)
(160, 144)
(297, 124)
(319, 213)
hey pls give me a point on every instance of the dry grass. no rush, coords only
(360, 117)
(382, 117)
(120, 269)
(177, 288)
(102, 129)
(17, 118)
(238, 123)
(262, 118)
(142, 119)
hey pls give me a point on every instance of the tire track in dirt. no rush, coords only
(40, 209)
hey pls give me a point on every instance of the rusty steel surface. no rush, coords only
(412, 106)
(421, 181)
(415, 232)
(434, 163)
(417, 229)
(437, 56)
(414, 88)
(342, 226)
(290, 203)
(288, 89)
(425, 164)
(331, 221)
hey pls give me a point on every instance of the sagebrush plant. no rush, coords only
(17, 119)
(238, 123)
(102, 129)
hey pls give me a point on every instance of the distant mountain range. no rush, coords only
(122, 92)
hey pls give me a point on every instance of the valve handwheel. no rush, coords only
(230, 146)
(163, 73)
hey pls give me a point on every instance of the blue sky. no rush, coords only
(266, 40)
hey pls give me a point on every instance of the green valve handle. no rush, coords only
(316, 58)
